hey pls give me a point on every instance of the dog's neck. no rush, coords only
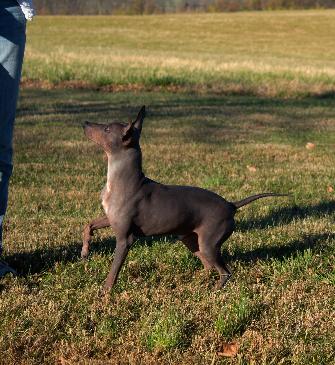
(124, 172)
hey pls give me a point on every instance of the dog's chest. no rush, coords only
(106, 200)
(112, 204)
(111, 201)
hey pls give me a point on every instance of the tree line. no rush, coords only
(94, 7)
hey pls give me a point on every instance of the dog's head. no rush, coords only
(115, 137)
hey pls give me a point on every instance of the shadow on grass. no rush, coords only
(286, 215)
(324, 95)
(43, 259)
(313, 242)
(207, 118)
(64, 108)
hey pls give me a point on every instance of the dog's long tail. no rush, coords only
(250, 199)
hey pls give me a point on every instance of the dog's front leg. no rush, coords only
(101, 222)
(122, 247)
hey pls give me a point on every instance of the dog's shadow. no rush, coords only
(313, 242)
(286, 215)
(44, 259)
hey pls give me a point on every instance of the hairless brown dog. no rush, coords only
(137, 206)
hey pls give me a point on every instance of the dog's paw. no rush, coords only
(84, 254)
(223, 281)
(105, 290)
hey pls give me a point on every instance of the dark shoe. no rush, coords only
(6, 269)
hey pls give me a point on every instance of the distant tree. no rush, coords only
(137, 6)
(253, 4)
(150, 7)
(161, 6)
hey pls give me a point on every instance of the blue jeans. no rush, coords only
(12, 43)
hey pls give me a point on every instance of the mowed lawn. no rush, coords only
(233, 102)
(279, 305)
(281, 53)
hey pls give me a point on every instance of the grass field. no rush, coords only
(279, 306)
(263, 53)
(242, 130)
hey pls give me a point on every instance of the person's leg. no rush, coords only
(12, 44)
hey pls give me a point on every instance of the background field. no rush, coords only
(270, 53)
(279, 306)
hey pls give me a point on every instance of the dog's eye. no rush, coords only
(107, 129)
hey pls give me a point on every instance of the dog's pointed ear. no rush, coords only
(128, 133)
(133, 129)
(139, 119)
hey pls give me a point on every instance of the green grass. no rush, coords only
(165, 331)
(279, 305)
(284, 53)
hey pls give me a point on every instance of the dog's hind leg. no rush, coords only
(215, 259)
(210, 249)
(191, 242)
(95, 224)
